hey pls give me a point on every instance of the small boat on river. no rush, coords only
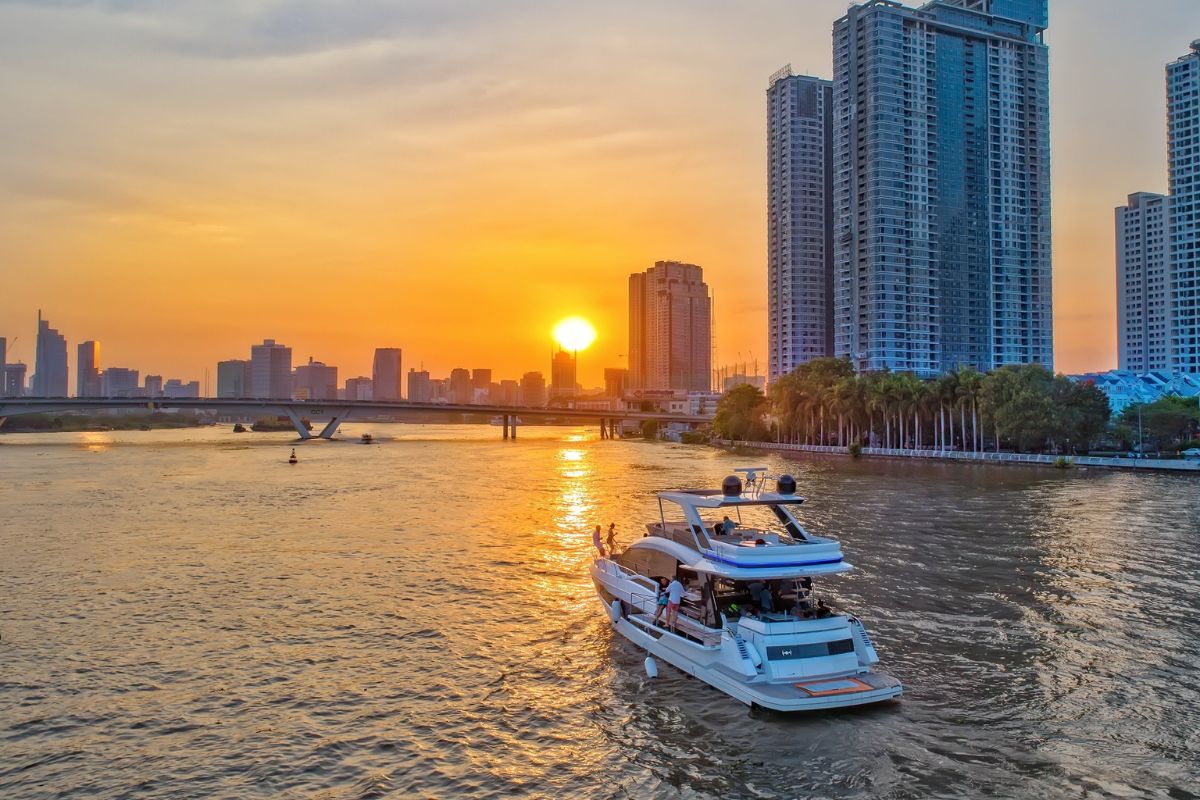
(366, 438)
(748, 622)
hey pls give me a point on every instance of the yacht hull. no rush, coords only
(710, 660)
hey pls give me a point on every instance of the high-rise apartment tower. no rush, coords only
(1183, 160)
(942, 185)
(799, 220)
(1143, 283)
(670, 328)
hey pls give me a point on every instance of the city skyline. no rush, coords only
(201, 242)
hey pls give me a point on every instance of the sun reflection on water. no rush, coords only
(96, 441)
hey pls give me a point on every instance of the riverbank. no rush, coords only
(1024, 459)
(74, 423)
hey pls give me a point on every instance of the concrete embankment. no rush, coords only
(1163, 464)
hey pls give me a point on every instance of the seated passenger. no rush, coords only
(761, 595)
(728, 526)
(823, 610)
(803, 608)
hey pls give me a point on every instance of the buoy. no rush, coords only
(614, 611)
(651, 667)
(293, 459)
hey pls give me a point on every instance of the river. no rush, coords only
(184, 614)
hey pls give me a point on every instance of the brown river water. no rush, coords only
(184, 614)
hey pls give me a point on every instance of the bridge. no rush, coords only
(338, 411)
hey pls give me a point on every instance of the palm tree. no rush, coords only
(970, 382)
(947, 391)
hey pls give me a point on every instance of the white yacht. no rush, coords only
(749, 623)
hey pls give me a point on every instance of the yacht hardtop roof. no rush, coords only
(715, 498)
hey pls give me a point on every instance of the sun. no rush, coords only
(574, 334)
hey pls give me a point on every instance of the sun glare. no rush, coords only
(574, 334)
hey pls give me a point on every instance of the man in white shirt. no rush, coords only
(674, 597)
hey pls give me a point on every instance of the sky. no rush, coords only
(180, 179)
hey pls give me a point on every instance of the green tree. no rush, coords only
(1081, 413)
(740, 414)
(1017, 400)
(1165, 423)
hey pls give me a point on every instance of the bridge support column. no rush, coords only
(514, 427)
(506, 427)
(297, 423)
(339, 416)
(603, 429)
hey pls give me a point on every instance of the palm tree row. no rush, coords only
(825, 402)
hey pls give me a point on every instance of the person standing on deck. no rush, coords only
(611, 541)
(660, 599)
(596, 540)
(674, 598)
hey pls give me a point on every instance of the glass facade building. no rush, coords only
(50, 364)
(941, 186)
(799, 220)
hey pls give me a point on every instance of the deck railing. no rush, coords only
(1177, 465)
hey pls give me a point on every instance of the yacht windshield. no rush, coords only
(770, 523)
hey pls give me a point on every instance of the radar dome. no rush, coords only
(732, 486)
(786, 484)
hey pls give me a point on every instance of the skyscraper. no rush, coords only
(362, 388)
(233, 378)
(50, 362)
(562, 375)
(616, 381)
(942, 185)
(799, 220)
(152, 385)
(87, 370)
(13, 380)
(419, 388)
(119, 382)
(1183, 160)
(1143, 283)
(670, 328)
(461, 390)
(386, 375)
(481, 385)
(270, 370)
(533, 390)
(315, 381)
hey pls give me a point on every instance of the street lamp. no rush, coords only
(1141, 446)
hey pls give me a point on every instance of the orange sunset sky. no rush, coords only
(181, 179)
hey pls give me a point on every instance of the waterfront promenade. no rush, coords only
(1173, 465)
